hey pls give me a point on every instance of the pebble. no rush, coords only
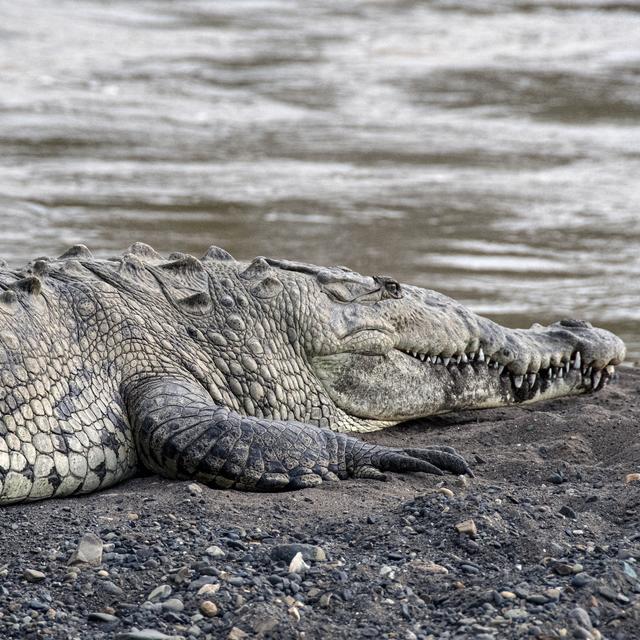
(99, 616)
(208, 609)
(568, 512)
(581, 579)
(517, 614)
(195, 489)
(215, 551)
(33, 575)
(88, 551)
(467, 527)
(309, 552)
(159, 593)
(581, 617)
(208, 589)
(173, 604)
(237, 634)
(446, 492)
(146, 634)
(632, 477)
(297, 564)
(508, 595)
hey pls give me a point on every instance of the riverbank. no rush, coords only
(554, 554)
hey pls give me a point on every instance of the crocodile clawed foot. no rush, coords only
(435, 460)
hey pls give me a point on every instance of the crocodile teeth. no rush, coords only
(577, 362)
(517, 381)
(596, 379)
(422, 356)
(481, 355)
(610, 369)
(561, 372)
(500, 369)
(429, 359)
(472, 356)
(587, 372)
(567, 366)
(463, 358)
(531, 379)
(446, 361)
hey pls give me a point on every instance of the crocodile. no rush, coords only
(249, 375)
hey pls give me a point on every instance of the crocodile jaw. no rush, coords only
(398, 386)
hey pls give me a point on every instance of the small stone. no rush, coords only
(237, 634)
(508, 595)
(581, 617)
(215, 551)
(632, 477)
(467, 527)
(297, 564)
(581, 580)
(568, 512)
(387, 572)
(99, 616)
(537, 598)
(33, 575)
(195, 489)
(209, 609)
(562, 568)
(88, 551)
(159, 593)
(553, 594)
(146, 634)
(608, 593)
(173, 604)
(208, 589)
(430, 567)
(286, 552)
(517, 614)
(446, 492)
(102, 573)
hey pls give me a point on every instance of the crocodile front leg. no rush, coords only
(181, 433)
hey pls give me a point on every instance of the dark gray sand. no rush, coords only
(555, 554)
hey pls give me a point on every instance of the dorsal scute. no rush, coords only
(217, 253)
(77, 251)
(182, 263)
(258, 268)
(143, 251)
(31, 285)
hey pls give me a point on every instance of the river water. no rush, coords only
(487, 149)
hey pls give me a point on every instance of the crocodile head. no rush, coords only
(386, 352)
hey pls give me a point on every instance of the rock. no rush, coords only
(194, 488)
(88, 551)
(517, 614)
(632, 477)
(208, 609)
(99, 616)
(132, 517)
(581, 617)
(386, 572)
(568, 512)
(581, 579)
(33, 575)
(109, 587)
(173, 604)
(146, 634)
(297, 564)
(429, 567)
(446, 492)
(508, 595)
(467, 527)
(208, 589)
(237, 634)
(159, 593)
(286, 552)
(215, 551)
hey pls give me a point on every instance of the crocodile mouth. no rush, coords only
(572, 370)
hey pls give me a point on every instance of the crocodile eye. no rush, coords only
(390, 287)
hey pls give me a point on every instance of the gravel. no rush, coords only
(544, 558)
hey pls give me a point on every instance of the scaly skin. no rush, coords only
(224, 371)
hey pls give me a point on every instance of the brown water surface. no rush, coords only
(490, 150)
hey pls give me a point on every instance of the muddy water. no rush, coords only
(490, 150)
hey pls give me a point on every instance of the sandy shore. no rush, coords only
(555, 553)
